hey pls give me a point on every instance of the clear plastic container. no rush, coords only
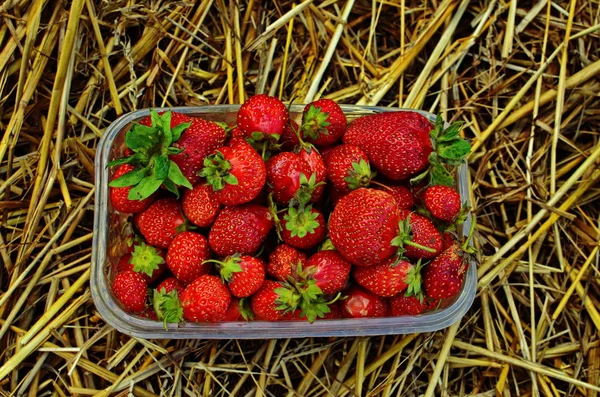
(109, 244)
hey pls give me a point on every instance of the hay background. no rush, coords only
(523, 75)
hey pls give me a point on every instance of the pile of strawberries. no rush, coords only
(273, 220)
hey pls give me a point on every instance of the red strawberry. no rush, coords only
(402, 144)
(264, 302)
(206, 299)
(330, 271)
(243, 274)
(144, 259)
(119, 196)
(160, 222)
(397, 143)
(443, 277)
(131, 290)
(417, 237)
(233, 312)
(363, 224)
(448, 239)
(443, 202)
(200, 205)
(335, 312)
(282, 260)
(348, 168)
(236, 132)
(317, 168)
(360, 303)
(323, 122)
(171, 284)
(288, 177)
(186, 256)
(389, 278)
(289, 138)
(149, 313)
(240, 229)
(200, 139)
(303, 229)
(402, 305)
(404, 197)
(262, 116)
(236, 173)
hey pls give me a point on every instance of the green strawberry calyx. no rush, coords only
(245, 311)
(228, 266)
(327, 245)
(303, 293)
(405, 237)
(449, 148)
(301, 222)
(217, 171)
(146, 259)
(167, 306)
(151, 148)
(359, 175)
(315, 123)
(415, 281)
(305, 191)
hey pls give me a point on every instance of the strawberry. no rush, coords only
(289, 137)
(149, 313)
(186, 256)
(144, 259)
(282, 260)
(288, 177)
(264, 302)
(330, 271)
(236, 172)
(360, 303)
(443, 202)
(171, 284)
(335, 312)
(444, 275)
(233, 312)
(262, 116)
(206, 299)
(166, 302)
(130, 288)
(389, 277)
(119, 196)
(317, 168)
(238, 310)
(363, 225)
(348, 168)
(241, 229)
(200, 205)
(303, 228)
(403, 144)
(402, 305)
(448, 239)
(243, 274)
(404, 197)
(417, 237)
(323, 122)
(160, 222)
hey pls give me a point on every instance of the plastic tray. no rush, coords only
(109, 244)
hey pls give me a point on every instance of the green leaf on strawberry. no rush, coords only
(146, 259)
(216, 171)
(315, 122)
(167, 306)
(152, 147)
(415, 282)
(360, 175)
(130, 178)
(301, 222)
